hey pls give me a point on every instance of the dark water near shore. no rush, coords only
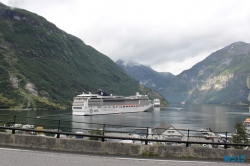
(219, 118)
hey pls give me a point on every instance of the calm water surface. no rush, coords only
(219, 118)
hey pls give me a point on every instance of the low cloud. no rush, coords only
(170, 36)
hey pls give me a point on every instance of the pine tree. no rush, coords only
(241, 135)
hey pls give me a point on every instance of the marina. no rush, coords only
(159, 123)
(164, 134)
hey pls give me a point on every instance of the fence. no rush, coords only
(61, 127)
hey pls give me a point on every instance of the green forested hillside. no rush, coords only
(42, 66)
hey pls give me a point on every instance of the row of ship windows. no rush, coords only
(134, 105)
(112, 106)
(131, 105)
(126, 105)
(77, 107)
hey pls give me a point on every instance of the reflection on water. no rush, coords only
(219, 118)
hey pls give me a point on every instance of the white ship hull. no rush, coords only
(103, 111)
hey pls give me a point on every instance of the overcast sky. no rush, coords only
(169, 35)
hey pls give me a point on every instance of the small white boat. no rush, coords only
(17, 125)
(126, 141)
(207, 145)
(221, 135)
(28, 126)
(205, 130)
(209, 135)
(79, 136)
(157, 102)
(61, 136)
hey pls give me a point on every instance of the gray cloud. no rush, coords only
(169, 36)
(15, 3)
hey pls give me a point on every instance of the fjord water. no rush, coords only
(219, 118)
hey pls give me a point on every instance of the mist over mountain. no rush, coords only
(42, 66)
(146, 75)
(218, 79)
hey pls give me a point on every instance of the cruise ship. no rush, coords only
(101, 103)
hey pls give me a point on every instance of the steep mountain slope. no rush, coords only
(220, 78)
(42, 66)
(146, 75)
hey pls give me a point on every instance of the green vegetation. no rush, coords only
(98, 131)
(2, 130)
(218, 82)
(153, 94)
(43, 67)
(241, 135)
(160, 143)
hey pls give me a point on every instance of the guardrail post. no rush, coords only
(103, 139)
(58, 129)
(13, 131)
(187, 139)
(146, 142)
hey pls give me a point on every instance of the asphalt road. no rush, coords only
(29, 157)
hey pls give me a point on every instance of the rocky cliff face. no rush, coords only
(220, 78)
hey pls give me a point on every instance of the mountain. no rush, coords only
(218, 79)
(146, 75)
(42, 66)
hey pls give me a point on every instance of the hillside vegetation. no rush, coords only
(42, 66)
(218, 79)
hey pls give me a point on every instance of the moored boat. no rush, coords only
(101, 103)
(157, 102)
(205, 130)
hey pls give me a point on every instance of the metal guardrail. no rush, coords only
(103, 137)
